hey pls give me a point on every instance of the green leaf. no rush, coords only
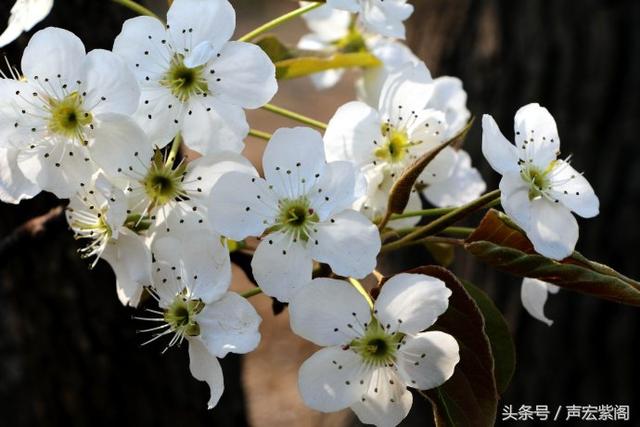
(401, 190)
(304, 66)
(502, 347)
(470, 396)
(274, 48)
(501, 244)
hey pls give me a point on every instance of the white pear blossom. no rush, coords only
(98, 214)
(301, 209)
(382, 143)
(539, 191)
(69, 110)
(385, 17)
(372, 354)
(534, 295)
(463, 186)
(14, 186)
(191, 278)
(335, 31)
(193, 79)
(25, 14)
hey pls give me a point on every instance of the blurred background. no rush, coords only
(69, 354)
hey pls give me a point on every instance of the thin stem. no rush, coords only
(138, 8)
(252, 292)
(278, 21)
(294, 116)
(424, 212)
(259, 134)
(175, 148)
(444, 221)
(430, 239)
(458, 231)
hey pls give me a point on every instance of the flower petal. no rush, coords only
(536, 135)
(428, 359)
(140, 44)
(25, 15)
(194, 21)
(204, 172)
(450, 97)
(407, 90)
(327, 23)
(463, 186)
(329, 379)
(553, 229)
(281, 267)
(205, 367)
(534, 295)
(349, 5)
(349, 242)
(387, 401)
(55, 54)
(573, 190)
(241, 205)
(109, 84)
(386, 18)
(329, 312)
(229, 324)
(353, 134)
(119, 145)
(159, 114)
(293, 160)
(336, 190)
(130, 259)
(498, 151)
(242, 75)
(199, 261)
(326, 79)
(515, 198)
(410, 303)
(14, 185)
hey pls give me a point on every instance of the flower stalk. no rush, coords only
(277, 22)
(138, 8)
(294, 116)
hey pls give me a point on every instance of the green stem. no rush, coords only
(259, 134)
(424, 212)
(356, 284)
(458, 231)
(175, 148)
(138, 8)
(294, 116)
(278, 21)
(444, 221)
(252, 292)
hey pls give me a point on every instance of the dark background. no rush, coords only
(69, 354)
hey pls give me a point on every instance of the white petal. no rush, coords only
(242, 75)
(336, 190)
(201, 54)
(140, 45)
(229, 324)
(463, 186)
(353, 134)
(327, 23)
(573, 190)
(349, 242)
(326, 79)
(387, 401)
(515, 198)
(159, 114)
(440, 168)
(410, 303)
(14, 186)
(211, 126)
(281, 267)
(57, 167)
(414, 204)
(386, 18)
(498, 151)
(553, 229)
(534, 295)
(393, 55)
(194, 21)
(205, 367)
(329, 312)
(119, 145)
(25, 14)
(201, 263)
(407, 90)
(330, 379)
(204, 172)
(241, 205)
(535, 125)
(52, 52)
(428, 359)
(109, 85)
(349, 5)
(450, 97)
(130, 259)
(293, 160)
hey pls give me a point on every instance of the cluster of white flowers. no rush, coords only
(103, 129)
